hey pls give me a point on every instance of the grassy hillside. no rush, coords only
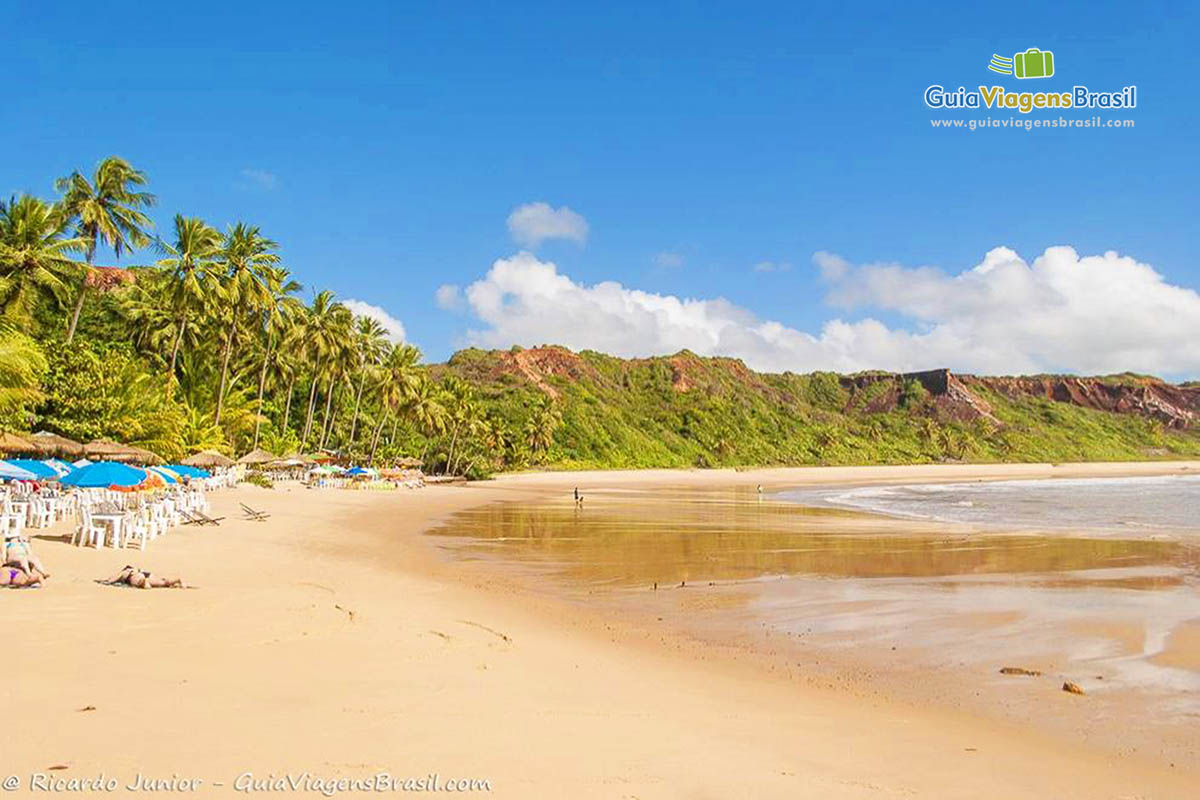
(684, 411)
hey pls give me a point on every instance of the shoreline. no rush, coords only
(336, 637)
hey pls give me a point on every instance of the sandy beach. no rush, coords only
(336, 641)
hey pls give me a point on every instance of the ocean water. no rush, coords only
(1168, 505)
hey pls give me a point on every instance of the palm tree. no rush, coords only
(246, 258)
(399, 379)
(22, 365)
(278, 316)
(33, 255)
(339, 367)
(427, 412)
(191, 263)
(539, 430)
(325, 325)
(370, 340)
(105, 209)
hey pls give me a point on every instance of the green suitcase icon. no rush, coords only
(1034, 63)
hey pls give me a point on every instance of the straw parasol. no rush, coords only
(53, 444)
(409, 462)
(103, 449)
(256, 457)
(208, 458)
(11, 443)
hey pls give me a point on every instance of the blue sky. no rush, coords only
(385, 145)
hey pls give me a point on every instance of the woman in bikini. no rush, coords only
(140, 579)
(17, 553)
(17, 578)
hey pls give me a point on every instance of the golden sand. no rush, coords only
(335, 639)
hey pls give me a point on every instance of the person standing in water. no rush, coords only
(578, 497)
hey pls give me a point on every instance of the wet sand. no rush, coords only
(840, 593)
(337, 639)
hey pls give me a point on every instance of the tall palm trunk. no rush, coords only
(262, 383)
(287, 406)
(378, 430)
(357, 402)
(328, 424)
(175, 347)
(312, 398)
(92, 235)
(395, 425)
(450, 455)
(225, 369)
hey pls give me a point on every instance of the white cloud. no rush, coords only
(668, 260)
(258, 179)
(1063, 312)
(393, 326)
(533, 223)
(449, 297)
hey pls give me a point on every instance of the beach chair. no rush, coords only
(199, 518)
(257, 516)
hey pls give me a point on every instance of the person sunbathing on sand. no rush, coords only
(17, 578)
(18, 553)
(141, 579)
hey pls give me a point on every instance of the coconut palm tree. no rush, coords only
(339, 368)
(278, 317)
(22, 365)
(398, 380)
(108, 209)
(33, 255)
(427, 412)
(324, 327)
(370, 341)
(191, 263)
(246, 257)
(539, 430)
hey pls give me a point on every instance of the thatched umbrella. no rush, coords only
(208, 458)
(55, 445)
(409, 462)
(105, 450)
(256, 457)
(11, 443)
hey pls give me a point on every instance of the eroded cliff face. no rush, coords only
(958, 396)
(1174, 406)
(953, 396)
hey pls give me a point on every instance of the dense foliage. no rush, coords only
(208, 345)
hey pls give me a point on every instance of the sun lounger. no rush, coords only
(257, 516)
(199, 518)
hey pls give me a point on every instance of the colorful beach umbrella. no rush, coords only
(168, 475)
(38, 468)
(103, 474)
(14, 473)
(58, 465)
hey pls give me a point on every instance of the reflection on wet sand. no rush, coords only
(631, 539)
(1116, 615)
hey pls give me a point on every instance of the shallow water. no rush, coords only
(1113, 607)
(1168, 504)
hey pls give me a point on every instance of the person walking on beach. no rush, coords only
(578, 498)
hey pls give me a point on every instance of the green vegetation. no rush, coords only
(208, 345)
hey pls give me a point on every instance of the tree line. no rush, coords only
(209, 344)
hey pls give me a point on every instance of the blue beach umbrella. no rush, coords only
(38, 468)
(15, 473)
(191, 472)
(103, 474)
